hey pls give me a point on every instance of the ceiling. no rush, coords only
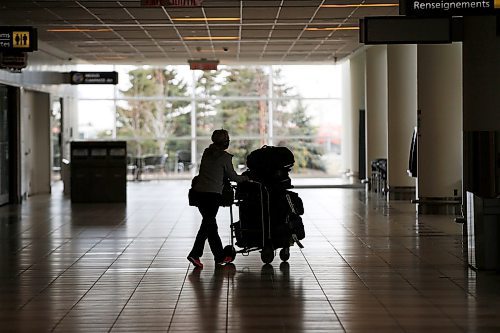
(232, 31)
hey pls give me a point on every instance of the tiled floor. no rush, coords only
(366, 267)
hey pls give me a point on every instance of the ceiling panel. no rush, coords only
(268, 31)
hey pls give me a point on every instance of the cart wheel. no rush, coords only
(230, 251)
(285, 253)
(267, 255)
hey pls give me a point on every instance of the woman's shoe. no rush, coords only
(195, 261)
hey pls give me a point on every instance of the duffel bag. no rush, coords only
(270, 158)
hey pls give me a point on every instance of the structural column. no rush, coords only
(401, 118)
(440, 128)
(355, 100)
(376, 104)
(481, 114)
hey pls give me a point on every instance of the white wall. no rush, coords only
(402, 111)
(354, 98)
(35, 142)
(376, 104)
(40, 82)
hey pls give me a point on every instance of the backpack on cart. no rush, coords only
(270, 157)
(271, 165)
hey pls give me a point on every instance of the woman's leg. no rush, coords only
(208, 229)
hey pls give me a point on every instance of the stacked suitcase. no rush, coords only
(269, 213)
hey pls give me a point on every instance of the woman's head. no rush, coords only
(220, 138)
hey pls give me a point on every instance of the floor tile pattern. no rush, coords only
(367, 266)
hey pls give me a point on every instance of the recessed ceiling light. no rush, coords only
(332, 28)
(361, 5)
(211, 38)
(79, 30)
(204, 19)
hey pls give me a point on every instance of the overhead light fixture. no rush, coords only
(79, 30)
(204, 19)
(111, 58)
(361, 5)
(211, 38)
(331, 28)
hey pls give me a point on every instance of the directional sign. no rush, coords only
(15, 38)
(93, 77)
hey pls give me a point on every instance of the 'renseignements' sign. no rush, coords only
(449, 7)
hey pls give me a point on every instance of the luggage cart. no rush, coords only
(264, 223)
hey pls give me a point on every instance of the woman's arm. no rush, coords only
(230, 173)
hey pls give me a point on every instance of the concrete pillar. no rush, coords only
(376, 104)
(439, 76)
(355, 100)
(401, 118)
(481, 114)
(481, 140)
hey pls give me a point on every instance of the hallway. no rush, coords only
(366, 267)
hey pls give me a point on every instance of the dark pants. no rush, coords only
(208, 207)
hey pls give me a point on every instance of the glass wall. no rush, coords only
(168, 114)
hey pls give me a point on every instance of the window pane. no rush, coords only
(307, 117)
(308, 81)
(153, 120)
(311, 158)
(154, 82)
(239, 148)
(238, 117)
(244, 81)
(159, 159)
(95, 119)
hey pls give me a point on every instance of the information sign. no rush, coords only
(15, 38)
(448, 8)
(93, 77)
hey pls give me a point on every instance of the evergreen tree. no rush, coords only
(156, 121)
(206, 91)
(151, 123)
(245, 118)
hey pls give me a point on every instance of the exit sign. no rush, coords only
(203, 64)
(171, 3)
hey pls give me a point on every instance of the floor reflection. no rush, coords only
(116, 268)
(208, 290)
(271, 295)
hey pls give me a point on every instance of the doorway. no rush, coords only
(56, 131)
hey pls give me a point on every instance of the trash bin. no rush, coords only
(98, 171)
(483, 232)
